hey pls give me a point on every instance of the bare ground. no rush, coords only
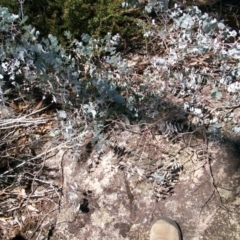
(109, 195)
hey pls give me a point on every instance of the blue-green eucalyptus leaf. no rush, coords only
(118, 99)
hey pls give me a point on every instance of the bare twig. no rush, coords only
(21, 7)
(61, 146)
(209, 168)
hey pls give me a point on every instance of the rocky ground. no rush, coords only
(110, 195)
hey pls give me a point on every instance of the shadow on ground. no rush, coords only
(108, 196)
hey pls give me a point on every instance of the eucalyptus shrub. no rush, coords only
(189, 51)
(43, 61)
(194, 58)
(84, 74)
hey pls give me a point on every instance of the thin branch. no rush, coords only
(21, 7)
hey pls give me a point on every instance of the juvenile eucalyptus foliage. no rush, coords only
(81, 77)
(44, 64)
(157, 6)
(189, 52)
(198, 60)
